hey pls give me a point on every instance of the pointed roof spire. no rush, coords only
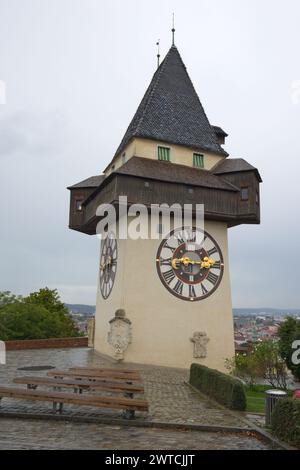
(158, 52)
(171, 111)
(173, 31)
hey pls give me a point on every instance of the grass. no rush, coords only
(256, 398)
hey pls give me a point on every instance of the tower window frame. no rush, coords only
(78, 204)
(244, 193)
(198, 160)
(163, 153)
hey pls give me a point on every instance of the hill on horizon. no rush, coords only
(90, 310)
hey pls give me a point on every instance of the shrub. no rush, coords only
(288, 332)
(285, 421)
(263, 362)
(224, 389)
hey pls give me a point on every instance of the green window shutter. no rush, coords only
(198, 160)
(164, 154)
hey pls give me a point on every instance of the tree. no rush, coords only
(22, 320)
(244, 367)
(38, 316)
(263, 362)
(270, 366)
(47, 298)
(288, 332)
(6, 297)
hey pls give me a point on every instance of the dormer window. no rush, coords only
(163, 154)
(245, 194)
(198, 160)
(78, 204)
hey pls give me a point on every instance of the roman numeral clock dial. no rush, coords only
(190, 264)
(108, 265)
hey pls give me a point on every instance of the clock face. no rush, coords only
(189, 270)
(108, 265)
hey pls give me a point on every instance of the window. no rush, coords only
(191, 191)
(198, 160)
(147, 184)
(244, 194)
(163, 154)
(78, 204)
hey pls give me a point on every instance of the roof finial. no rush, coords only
(173, 31)
(158, 54)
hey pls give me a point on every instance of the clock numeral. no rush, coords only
(192, 292)
(169, 276)
(191, 237)
(217, 265)
(212, 251)
(178, 287)
(213, 278)
(179, 239)
(165, 262)
(204, 290)
(172, 248)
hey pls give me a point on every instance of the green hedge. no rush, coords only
(285, 421)
(221, 387)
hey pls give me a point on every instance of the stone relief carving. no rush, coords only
(200, 341)
(119, 336)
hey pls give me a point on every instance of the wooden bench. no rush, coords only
(78, 384)
(128, 405)
(103, 369)
(96, 374)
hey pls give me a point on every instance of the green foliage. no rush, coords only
(223, 388)
(286, 421)
(263, 362)
(41, 315)
(47, 298)
(244, 367)
(289, 331)
(6, 297)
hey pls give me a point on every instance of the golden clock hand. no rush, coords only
(206, 263)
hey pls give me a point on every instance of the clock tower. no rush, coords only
(166, 300)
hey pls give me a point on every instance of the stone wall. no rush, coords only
(80, 342)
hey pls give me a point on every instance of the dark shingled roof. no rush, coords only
(92, 182)
(219, 131)
(234, 165)
(170, 110)
(173, 173)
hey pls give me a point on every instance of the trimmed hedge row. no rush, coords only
(221, 387)
(285, 421)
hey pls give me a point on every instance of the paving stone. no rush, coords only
(170, 399)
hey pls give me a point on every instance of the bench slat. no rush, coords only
(84, 384)
(82, 400)
(94, 375)
(107, 372)
(103, 369)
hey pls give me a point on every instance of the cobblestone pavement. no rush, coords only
(170, 400)
(37, 435)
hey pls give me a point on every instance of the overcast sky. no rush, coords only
(75, 71)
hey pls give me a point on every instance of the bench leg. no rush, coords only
(31, 387)
(128, 414)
